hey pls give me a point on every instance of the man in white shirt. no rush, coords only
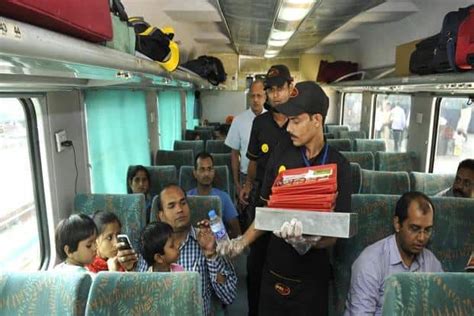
(239, 133)
(398, 119)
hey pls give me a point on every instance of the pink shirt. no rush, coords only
(174, 267)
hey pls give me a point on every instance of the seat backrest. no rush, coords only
(375, 213)
(396, 161)
(384, 182)
(329, 135)
(197, 146)
(204, 135)
(430, 183)
(226, 160)
(199, 206)
(177, 158)
(217, 147)
(188, 182)
(365, 159)
(429, 294)
(43, 293)
(352, 134)
(340, 144)
(372, 145)
(356, 177)
(453, 237)
(129, 208)
(138, 293)
(160, 176)
(335, 129)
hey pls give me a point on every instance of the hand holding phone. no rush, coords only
(123, 239)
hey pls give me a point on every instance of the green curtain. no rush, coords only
(117, 136)
(169, 116)
(191, 122)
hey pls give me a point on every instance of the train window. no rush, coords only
(19, 232)
(169, 109)
(117, 136)
(191, 120)
(392, 116)
(352, 111)
(455, 134)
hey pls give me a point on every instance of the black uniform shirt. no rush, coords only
(265, 135)
(282, 258)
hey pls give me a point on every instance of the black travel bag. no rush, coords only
(208, 67)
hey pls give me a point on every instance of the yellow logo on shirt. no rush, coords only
(265, 148)
(282, 168)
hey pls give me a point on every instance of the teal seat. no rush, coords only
(221, 179)
(340, 144)
(160, 176)
(365, 159)
(43, 293)
(204, 135)
(197, 146)
(225, 160)
(143, 293)
(356, 177)
(199, 207)
(429, 294)
(352, 134)
(396, 161)
(329, 136)
(177, 158)
(335, 129)
(384, 182)
(217, 147)
(372, 145)
(129, 208)
(430, 183)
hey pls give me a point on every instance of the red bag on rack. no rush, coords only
(86, 19)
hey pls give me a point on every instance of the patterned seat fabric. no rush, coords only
(139, 293)
(329, 136)
(365, 159)
(384, 182)
(43, 293)
(356, 177)
(217, 147)
(226, 160)
(429, 294)
(129, 208)
(335, 129)
(160, 176)
(188, 182)
(177, 158)
(196, 146)
(430, 183)
(372, 145)
(352, 134)
(396, 161)
(340, 144)
(199, 207)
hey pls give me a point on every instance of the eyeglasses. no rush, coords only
(415, 230)
(463, 182)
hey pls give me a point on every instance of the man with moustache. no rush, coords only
(296, 273)
(463, 185)
(403, 251)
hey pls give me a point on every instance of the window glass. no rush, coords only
(169, 109)
(19, 234)
(352, 111)
(455, 134)
(117, 135)
(392, 117)
(191, 120)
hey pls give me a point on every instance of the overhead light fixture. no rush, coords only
(292, 14)
(277, 43)
(271, 53)
(299, 1)
(280, 35)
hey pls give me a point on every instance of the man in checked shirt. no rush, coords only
(197, 248)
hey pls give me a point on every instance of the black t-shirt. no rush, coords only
(264, 137)
(282, 258)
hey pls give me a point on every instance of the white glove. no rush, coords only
(232, 247)
(292, 233)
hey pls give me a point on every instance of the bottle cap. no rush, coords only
(212, 214)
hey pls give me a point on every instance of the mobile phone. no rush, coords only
(123, 238)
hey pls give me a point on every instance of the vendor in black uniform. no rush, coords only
(267, 130)
(296, 272)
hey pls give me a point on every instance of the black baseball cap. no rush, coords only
(277, 75)
(306, 97)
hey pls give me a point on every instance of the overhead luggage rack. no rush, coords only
(35, 58)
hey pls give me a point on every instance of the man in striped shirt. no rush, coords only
(197, 249)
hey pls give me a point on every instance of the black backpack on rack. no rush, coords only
(208, 67)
